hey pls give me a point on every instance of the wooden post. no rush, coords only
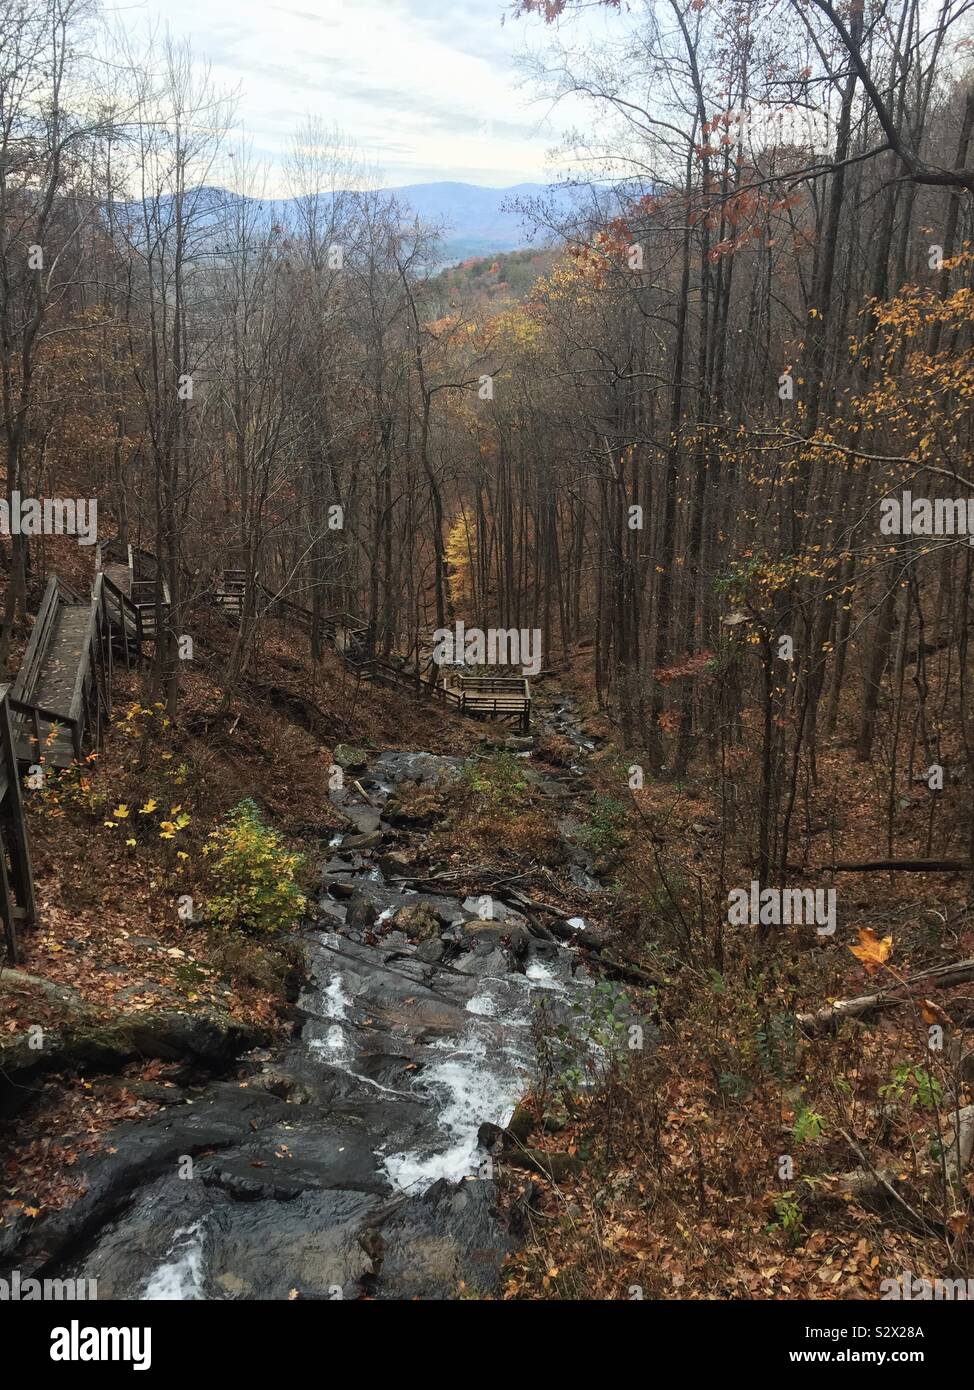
(19, 906)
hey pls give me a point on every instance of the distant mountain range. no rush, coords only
(475, 221)
(484, 221)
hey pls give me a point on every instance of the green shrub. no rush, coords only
(498, 784)
(605, 833)
(254, 874)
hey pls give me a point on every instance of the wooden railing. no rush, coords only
(34, 734)
(502, 697)
(17, 904)
(125, 618)
(135, 603)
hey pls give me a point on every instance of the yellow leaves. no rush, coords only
(120, 812)
(178, 821)
(149, 807)
(872, 950)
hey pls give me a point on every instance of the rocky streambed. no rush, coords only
(359, 1159)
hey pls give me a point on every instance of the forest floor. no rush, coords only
(717, 1155)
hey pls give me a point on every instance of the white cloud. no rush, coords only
(424, 89)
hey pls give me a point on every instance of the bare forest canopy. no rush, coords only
(670, 437)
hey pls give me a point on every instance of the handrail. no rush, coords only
(84, 665)
(17, 902)
(475, 691)
(37, 643)
(49, 716)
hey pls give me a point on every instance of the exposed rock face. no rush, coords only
(211, 1041)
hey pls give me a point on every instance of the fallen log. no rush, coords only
(588, 939)
(902, 866)
(959, 1145)
(939, 977)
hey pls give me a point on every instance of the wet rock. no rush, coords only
(361, 911)
(342, 888)
(336, 865)
(418, 921)
(491, 909)
(349, 758)
(365, 819)
(286, 1088)
(452, 1235)
(481, 935)
(519, 743)
(432, 951)
(142, 1090)
(361, 842)
(394, 941)
(336, 911)
(395, 864)
(491, 1137)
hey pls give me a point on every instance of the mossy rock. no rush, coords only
(348, 758)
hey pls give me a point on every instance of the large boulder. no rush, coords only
(480, 935)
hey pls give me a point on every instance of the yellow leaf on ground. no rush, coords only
(872, 950)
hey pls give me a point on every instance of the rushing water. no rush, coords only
(350, 1162)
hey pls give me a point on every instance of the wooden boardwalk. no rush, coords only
(135, 594)
(62, 694)
(477, 697)
(490, 697)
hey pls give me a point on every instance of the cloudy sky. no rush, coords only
(426, 89)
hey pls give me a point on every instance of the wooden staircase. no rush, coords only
(136, 596)
(478, 697)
